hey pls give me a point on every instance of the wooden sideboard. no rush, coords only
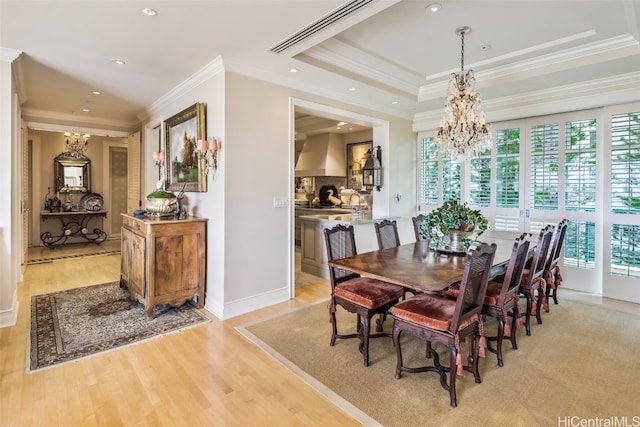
(163, 260)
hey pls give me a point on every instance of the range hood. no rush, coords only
(322, 155)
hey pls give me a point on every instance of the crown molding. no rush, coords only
(48, 120)
(592, 94)
(8, 54)
(333, 95)
(605, 47)
(199, 77)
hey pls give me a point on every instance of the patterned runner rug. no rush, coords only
(80, 322)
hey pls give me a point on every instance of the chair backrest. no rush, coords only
(417, 220)
(556, 248)
(474, 283)
(387, 234)
(513, 275)
(539, 261)
(340, 243)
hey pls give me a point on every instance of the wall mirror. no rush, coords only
(72, 174)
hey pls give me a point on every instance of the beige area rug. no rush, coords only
(582, 362)
(75, 323)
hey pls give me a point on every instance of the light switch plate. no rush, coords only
(280, 202)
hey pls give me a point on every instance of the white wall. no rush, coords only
(10, 186)
(249, 243)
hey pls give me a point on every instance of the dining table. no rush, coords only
(421, 268)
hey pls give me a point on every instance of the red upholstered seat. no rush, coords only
(369, 293)
(360, 295)
(427, 310)
(438, 318)
(552, 275)
(532, 282)
(501, 297)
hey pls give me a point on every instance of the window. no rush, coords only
(450, 179)
(428, 155)
(625, 163)
(432, 180)
(625, 250)
(580, 166)
(544, 167)
(508, 168)
(480, 180)
(580, 244)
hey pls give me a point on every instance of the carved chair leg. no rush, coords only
(527, 312)
(501, 321)
(453, 352)
(364, 347)
(334, 325)
(514, 324)
(396, 343)
(540, 298)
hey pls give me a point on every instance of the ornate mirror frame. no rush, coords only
(72, 173)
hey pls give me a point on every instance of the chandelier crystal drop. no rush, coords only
(76, 143)
(463, 130)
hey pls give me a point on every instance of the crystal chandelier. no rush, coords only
(76, 143)
(463, 129)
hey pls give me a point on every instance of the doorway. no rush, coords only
(327, 119)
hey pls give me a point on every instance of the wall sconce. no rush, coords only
(208, 149)
(372, 170)
(158, 157)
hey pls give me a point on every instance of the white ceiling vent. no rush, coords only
(319, 25)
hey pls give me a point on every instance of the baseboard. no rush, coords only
(246, 305)
(9, 317)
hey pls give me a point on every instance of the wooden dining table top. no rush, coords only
(423, 269)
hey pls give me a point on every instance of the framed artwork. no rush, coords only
(185, 167)
(356, 156)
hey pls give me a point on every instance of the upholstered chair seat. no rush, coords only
(437, 318)
(363, 296)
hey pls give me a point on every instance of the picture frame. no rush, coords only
(356, 156)
(185, 167)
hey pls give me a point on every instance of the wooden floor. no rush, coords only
(205, 376)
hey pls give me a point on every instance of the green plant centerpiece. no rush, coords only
(453, 226)
(159, 201)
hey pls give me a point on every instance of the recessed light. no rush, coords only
(394, 102)
(96, 92)
(434, 7)
(118, 61)
(352, 89)
(149, 12)
(86, 110)
(293, 70)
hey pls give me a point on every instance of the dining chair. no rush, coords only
(552, 274)
(360, 295)
(434, 317)
(387, 234)
(502, 297)
(532, 284)
(417, 220)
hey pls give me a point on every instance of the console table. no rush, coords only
(73, 224)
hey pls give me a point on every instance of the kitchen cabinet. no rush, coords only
(311, 211)
(163, 260)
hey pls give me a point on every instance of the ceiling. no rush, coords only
(395, 56)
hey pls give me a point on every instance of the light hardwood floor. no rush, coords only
(204, 376)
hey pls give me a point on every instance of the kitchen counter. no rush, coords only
(313, 247)
(313, 211)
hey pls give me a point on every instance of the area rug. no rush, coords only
(581, 362)
(80, 322)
